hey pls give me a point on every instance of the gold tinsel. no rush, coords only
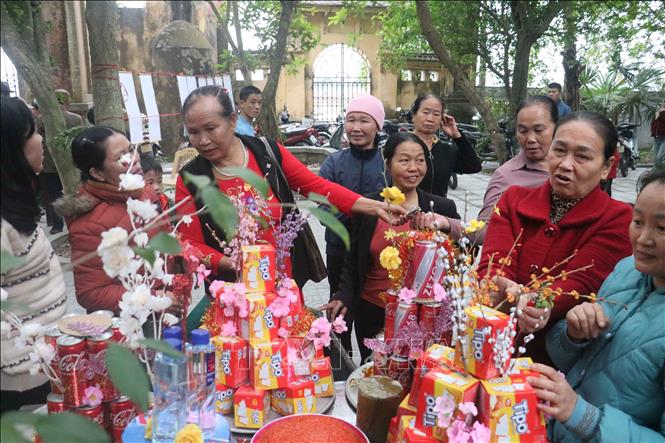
(208, 321)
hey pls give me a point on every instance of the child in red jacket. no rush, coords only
(152, 176)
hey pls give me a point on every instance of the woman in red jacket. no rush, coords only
(98, 206)
(210, 121)
(569, 214)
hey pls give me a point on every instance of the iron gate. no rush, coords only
(332, 95)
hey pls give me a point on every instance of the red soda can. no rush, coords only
(51, 338)
(389, 325)
(399, 369)
(424, 255)
(115, 329)
(55, 404)
(120, 413)
(96, 347)
(405, 314)
(93, 413)
(72, 363)
(427, 316)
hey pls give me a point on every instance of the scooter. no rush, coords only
(627, 147)
(299, 136)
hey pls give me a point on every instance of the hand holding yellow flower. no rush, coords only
(393, 195)
(389, 258)
(474, 226)
(191, 433)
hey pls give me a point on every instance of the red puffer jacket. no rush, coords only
(96, 208)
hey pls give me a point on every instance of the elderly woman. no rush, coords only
(568, 215)
(99, 206)
(35, 288)
(613, 351)
(535, 122)
(443, 157)
(211, 122)
(364, 281)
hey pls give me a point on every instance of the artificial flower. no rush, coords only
(3, 294)
(215, 287)
(131, 182)
(42, 351)
(439, 292)
(31, 330)
(126, 159)
(283, 332)
(393, 195)
(389, 234)
(141, 209)
(118, 260)
(339, 325)
(458, 433)
(186, 219)
(389, 258)
(113, 237)
(319, 332)
(201, 273)
(280, 307)
(406, 295)
(141, 239)
(444, 408)
(467, 408)
(159, 304)
(93, 396)
(480, 433)
(191, 433)
(228, 329)
(475, 225)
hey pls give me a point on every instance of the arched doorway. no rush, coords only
(341, 72)
(9, 74)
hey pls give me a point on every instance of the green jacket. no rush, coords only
(619, 376)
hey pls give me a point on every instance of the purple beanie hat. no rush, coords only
(369, 105)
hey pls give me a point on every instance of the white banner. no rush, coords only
(151, 108)
(182, 88)
(132, 106)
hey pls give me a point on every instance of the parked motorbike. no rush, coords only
(300, 136)
(627, 147)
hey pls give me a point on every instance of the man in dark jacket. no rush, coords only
(360, 169)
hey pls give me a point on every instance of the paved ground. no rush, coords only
(471, 190)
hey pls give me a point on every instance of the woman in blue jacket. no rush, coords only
(613, 351)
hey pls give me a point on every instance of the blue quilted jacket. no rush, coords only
(620, 374)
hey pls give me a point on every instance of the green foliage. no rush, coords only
(128, 374)
(64, 139)
(18, 427)
(162, 242)
(162, 347)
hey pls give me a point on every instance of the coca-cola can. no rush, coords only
(51, 338)
(119, 414)
(389, 324)
(424, 255)
(427, 315)
(115, 329)
(72, 364)
(55, 404)
(405, 314)
(93, 413)
(96, 347)
(399, 369)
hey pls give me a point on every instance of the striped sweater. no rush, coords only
(36, 293)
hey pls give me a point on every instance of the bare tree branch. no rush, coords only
(240, 55)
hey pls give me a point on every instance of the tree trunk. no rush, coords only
(102, 21)
(23, 40)
(571, 65)
(461, 79)
(520, 80)
(268, 118)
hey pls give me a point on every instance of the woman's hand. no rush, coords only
(430, 220)
(553, 390)
(388, 213)
(333, 309)
(449, 126)
(505, 288)
(586, 321)
(529, 318)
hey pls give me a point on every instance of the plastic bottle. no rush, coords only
(172, 332)
(169, 413)
(201, 401)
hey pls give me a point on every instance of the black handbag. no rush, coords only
(316, 268)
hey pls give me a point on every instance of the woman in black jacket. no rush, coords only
(364, 281)
(443, 156)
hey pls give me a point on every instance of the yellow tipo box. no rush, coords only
(250, 407)
(438, 382)
(258, 267)
(299, 397)
(507, 406)
(260, 326)
(482, 326)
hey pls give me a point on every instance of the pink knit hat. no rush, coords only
(369, 105)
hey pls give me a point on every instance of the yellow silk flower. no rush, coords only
(389, 258)
(474, 225)
(191, 433)
(393, 195)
